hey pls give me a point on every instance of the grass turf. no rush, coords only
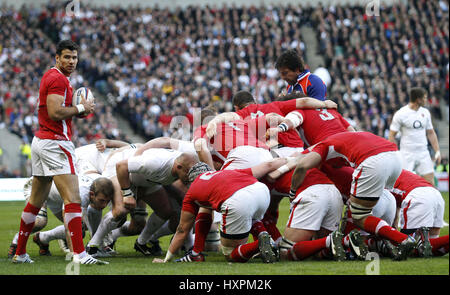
(130, 262)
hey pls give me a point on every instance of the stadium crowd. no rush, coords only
(154, 64)
(313, 156)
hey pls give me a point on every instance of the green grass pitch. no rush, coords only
(130, 262)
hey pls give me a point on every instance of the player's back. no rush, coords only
(229, 136)
(318, 124)
(354, 147)
(212, 188)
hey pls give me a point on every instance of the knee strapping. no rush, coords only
(359, 212)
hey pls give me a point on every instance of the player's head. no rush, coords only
(67, 56)
(101, 193)
(196, 170)
(183, 164)
(418, 95)
(290, 64)
(242, 99)
(207, 114)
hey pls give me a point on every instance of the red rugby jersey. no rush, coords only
(352, 148)
(212, 188)
(54, 82)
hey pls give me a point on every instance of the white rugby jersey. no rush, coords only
(412, 125)
(89, 158)
(153, 167)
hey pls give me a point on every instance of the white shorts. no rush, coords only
(385, 208)
(417, 161)
(423, 206)
(52, 157)
(374, 174)
(242, 208)
(286, 151)
(317, 206)
(246, 156)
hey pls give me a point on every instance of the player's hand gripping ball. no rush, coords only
(80, 95)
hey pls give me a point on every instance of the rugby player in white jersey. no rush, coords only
(413, 121)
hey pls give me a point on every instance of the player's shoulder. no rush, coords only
(425, 111)
(403, 111)
(53, 75)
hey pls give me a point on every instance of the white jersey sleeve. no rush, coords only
(396, 122)
(154, 165)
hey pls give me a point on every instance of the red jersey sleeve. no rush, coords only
(189, 205)
(287, 106)
(57, 86)
(322, 150)
(200, 132)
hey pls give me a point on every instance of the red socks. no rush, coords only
(304, 249)
(379, 227)
(243, 253)
(257, 228)
(26, 226)
(72, 219)
(270, 222)
(202, 226)
(439, 246)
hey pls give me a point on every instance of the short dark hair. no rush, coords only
(242, 98)
(102, 185)
(66, 44)
(416, 93)
(292, 95)
(290, 59)
(209, 111)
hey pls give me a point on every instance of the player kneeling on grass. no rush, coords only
(315, 211)
(240, 198)
(421, 209)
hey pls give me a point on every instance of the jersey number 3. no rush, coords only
(325, 115)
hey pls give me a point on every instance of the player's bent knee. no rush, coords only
(359, 212)
(226, 251)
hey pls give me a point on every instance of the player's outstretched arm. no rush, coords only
(187, 220)
(311, 160)
(105, 143)
(262, 169)
(158, 143)
(211, 128)
(312, 103)
(204, 155)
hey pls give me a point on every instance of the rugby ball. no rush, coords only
(82, 93)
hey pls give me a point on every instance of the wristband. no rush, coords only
(284, 127)
(168, 257)
(292, 194)
(283, 169)
(127, 192)
(80, 108)
(437, 154)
